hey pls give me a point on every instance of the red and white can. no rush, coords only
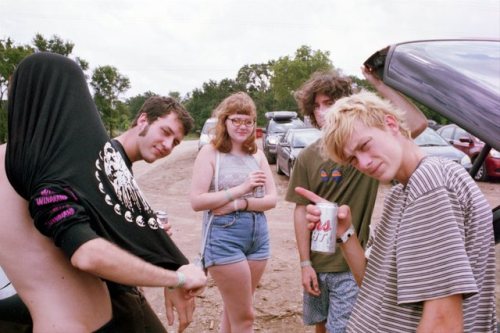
(325, 233)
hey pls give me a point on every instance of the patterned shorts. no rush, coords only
(334, 305)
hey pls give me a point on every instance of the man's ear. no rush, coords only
(142, 121)
(391, 123)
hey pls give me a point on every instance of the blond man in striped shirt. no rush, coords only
(430, 264)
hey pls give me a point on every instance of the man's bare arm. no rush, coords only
(416, 120)
(106, 260)
(442, 315)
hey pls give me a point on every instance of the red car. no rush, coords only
(472, 146)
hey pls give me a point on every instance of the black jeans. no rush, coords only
(132, 312)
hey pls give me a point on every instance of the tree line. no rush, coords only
(270, 84)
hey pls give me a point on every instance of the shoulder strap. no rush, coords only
(207, 217)
(216, 177)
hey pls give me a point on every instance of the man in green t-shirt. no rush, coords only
(329, 287)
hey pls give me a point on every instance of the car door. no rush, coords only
(280, 154)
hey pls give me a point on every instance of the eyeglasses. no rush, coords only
(240, 122)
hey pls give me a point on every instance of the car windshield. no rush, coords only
(302, 139)
(281, 127)
(429, 138)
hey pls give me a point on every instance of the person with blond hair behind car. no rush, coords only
(233, 181)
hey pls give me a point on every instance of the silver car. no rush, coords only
(207, 132)
(435, 145)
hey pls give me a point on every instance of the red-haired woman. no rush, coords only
(233, 181)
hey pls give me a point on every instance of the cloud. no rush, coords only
(177, 45)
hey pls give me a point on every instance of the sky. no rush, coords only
(177, 45)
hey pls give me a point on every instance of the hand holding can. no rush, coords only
(323, 237)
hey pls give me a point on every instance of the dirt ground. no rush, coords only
(278, 300)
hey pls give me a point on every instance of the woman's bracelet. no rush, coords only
(228, 195)
(246, 204)
(305, 263)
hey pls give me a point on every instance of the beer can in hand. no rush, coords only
(161, 218)
(258, 191)
(324, 235)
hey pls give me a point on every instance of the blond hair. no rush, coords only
(365, 107)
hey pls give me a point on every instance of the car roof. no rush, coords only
(281, 115)
(211, 120)
(458, 78)
(303, 129)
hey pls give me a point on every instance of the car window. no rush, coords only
(429, 138)
(446, 132)
(281, 127)
(460, 133)
(302, 139)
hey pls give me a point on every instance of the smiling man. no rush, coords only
(430, 265)
(160, 125)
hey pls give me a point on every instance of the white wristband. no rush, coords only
(345, 237)
(305, 263)
(181, 279)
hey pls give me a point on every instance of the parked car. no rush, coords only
(456, 78)
(207, 132)
(472, 146)
(434, 145)
(290, 145)
(278, 123)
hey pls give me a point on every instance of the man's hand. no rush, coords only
(371, 77)
(183, 304)
(195, 277)
(313, 213)
(167, 227)
(310, 281)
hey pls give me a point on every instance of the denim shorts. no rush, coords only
(334, 305)
(236, 237)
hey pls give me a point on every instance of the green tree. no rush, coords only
(10, 56)
(135, 103)
(54, 45)
(57, 45)
(201, 102)
(256, 80)
(108, 84)
(175, 95)
(290, 73)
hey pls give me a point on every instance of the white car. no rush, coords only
(207, 132)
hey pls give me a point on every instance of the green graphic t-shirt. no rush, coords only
(341, 184)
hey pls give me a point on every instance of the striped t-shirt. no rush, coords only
(435, 239)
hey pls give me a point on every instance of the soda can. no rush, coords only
(161, 218)
(324, 235)
(258, 191)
